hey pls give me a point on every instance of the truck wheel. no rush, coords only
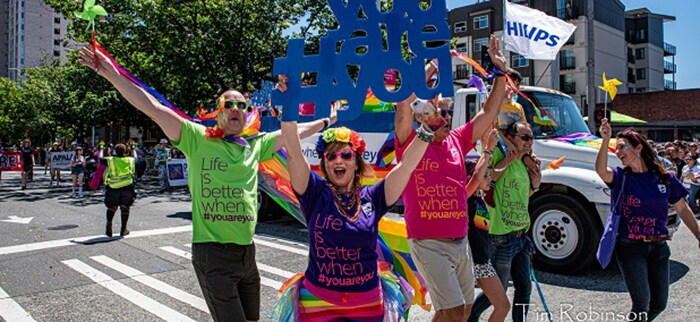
(565, 234)
(268, 209)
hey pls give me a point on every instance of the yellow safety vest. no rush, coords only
(120, 172)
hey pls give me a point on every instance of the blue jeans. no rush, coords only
(691, 197)
(511, 258)
(645, 268)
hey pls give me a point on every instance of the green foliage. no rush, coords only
(190, 51)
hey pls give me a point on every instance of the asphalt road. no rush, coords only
(59, 267)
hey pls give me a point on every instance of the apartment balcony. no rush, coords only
(669, 85)
(631, 59)
(669, 50)
(669, 67)
(631, 78)
(571, 40)
(461, 74)
(567, 14)
(567, 63)
(568, 87)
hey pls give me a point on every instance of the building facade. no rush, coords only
(616, 39)
(31, 33)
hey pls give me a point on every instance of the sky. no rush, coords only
(682, 33)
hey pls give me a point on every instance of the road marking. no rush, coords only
(294, 250)
(18, 220)
(78, 241)
(10, 311)
(275, 270)
(153, 283)
(263, 280)
(126, 292)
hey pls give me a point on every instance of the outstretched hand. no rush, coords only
(104, 66)
(282, 83)
(489, 139)
(497, 57)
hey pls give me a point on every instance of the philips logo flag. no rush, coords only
(534, 34)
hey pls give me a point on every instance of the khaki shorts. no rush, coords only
(446, 266)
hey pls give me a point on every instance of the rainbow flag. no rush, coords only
(586, 140)
(392, 247)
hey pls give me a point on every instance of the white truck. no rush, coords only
(569, 211)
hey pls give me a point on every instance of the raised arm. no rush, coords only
(298, 167)
(167, 119)
(308, 129)
(488, 142)
(483, 120)
(397, 179)
(403, 118)
(601, 161)
(512, 155)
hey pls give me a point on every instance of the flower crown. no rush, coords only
(340, 134)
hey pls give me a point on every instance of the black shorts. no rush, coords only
(123, 196)
(480, 245)
(229, 278)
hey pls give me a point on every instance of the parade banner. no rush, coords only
(61, 160)
(11, 161)
(534, 34)
(177, 172)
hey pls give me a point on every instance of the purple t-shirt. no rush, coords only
(342, 254)
(645, 203)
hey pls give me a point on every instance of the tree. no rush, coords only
(192, 51)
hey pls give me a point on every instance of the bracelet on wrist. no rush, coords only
(424, 134)
(488, 152)
(326, 123)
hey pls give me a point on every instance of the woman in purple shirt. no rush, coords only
(641, 249)
(343, 279)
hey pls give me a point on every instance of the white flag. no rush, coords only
(534, 34)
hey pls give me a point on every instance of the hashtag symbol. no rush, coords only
(206, 216)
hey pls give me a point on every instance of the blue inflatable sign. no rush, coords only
(358, 42)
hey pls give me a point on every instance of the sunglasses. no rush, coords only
(526, 137)
(241, 105)
(445, 113)
(345, 155)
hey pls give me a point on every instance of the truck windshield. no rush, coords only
(562, 109)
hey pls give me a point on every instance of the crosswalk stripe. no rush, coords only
(10, 310)
(294, 250)
(153, 283)
(126, 292)
(275, 270)
(179, 252)
(79, 241)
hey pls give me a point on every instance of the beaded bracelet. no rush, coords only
(424, 134)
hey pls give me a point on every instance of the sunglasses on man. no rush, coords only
(445, 113)
(345, 155)
(241, 105)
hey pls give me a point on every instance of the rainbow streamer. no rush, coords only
(392, 247)
(586, 140)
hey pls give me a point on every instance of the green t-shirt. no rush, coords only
(511, 195)
(223, 181)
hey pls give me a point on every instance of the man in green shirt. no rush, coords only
(223, 180)
(516, 175)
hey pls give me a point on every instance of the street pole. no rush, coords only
(590, 64)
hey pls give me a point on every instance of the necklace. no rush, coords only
(344, 207)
